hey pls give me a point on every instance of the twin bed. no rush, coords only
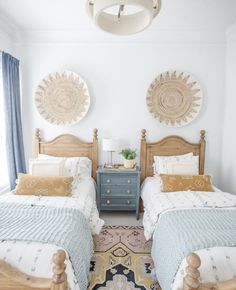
(34, 258)
(188, 228)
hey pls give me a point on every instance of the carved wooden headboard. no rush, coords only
(170, 145)
(69, 146)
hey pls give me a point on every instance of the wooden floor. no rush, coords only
(121, 219)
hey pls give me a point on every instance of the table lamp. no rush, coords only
(110, 145)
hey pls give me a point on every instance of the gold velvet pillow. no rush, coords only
(172, 183)
(43, 185)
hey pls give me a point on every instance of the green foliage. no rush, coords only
(128, 153)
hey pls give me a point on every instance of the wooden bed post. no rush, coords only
(59, 279)
(191, 280)
(202, 143)
(143, 152)
(95, 153)
(36, 142)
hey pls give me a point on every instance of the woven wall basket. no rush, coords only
(174, 98)
(62, 98)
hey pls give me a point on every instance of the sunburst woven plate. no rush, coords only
(62, 98)
(175, 98)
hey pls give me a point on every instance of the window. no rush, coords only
(4, 181)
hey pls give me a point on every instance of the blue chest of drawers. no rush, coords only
(118, 190)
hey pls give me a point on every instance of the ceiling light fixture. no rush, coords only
(123, 17)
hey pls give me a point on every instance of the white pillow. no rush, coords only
(46, 167)
(78, 167)
(159, 165)
(189, 167)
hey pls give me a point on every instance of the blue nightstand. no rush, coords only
(118, 190)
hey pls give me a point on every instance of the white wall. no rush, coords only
(7, 35)
(5, 42)
(118, 73)
(228, 166)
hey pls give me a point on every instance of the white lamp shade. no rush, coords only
(110, 145)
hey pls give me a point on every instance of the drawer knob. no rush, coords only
(128, 191)
(129, 181)
(108, 201)
(108, 191)
(128, 201)
(108, 180)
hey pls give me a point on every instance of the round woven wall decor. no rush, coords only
(62, 98)
(175, 98)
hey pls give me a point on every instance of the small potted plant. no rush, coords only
(129, 157)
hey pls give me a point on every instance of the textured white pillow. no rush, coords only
(78, 167)
(46, 167)
(159, 165)
(186, 167)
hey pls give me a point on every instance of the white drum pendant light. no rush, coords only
(123, 17)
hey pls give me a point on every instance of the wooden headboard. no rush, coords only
(68, 145)
(170, 145)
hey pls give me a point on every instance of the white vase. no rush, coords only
(129, 163)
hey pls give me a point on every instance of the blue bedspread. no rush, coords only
(180, 232)
(64, 227)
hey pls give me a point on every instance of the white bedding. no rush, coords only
(37, 261)
(218, 263)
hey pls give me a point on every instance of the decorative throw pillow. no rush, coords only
(40, 185)
(171, 183)
(46, 167)
(159, 165)
(187, 167)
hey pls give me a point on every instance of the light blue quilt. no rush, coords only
(180, 232)
(64, 227)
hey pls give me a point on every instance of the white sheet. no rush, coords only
(219, 263)
(37, 261)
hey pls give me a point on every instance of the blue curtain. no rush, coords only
(14, 136)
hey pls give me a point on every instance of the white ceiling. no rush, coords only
(71, 14)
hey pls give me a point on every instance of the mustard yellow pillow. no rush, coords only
(43, 185)
(186, 182)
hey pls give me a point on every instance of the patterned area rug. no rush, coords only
(122, 260)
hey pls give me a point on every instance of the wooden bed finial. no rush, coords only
(202, 150)
(143, 134)
(59, 280)
(143, 152)
(203, 134)
(95, 134)
(191, 280)
(37, 133)
(37, 142)
(95, 153)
